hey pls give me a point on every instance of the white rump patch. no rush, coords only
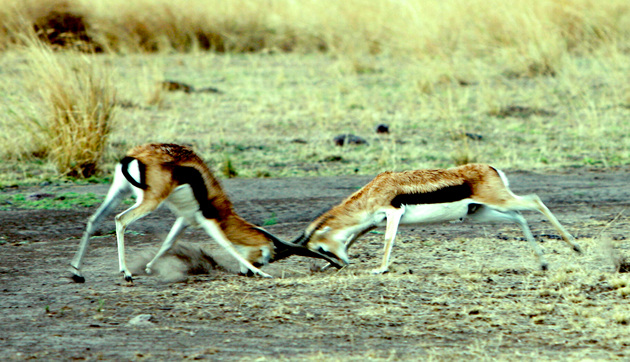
(134, 170)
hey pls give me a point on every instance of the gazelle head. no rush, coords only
(284, 249)
(323, 242)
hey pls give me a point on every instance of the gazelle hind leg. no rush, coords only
(487, 214)
(393, 220)
(212, 228)
(540, 206)
(117, 192)
(123, 220)
(534, 203)
(178, 227)
(520, 220)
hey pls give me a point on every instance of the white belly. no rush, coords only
(183, 203)
(435, 213)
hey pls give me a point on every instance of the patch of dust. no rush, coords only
(183, 260)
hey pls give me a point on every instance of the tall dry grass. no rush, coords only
(537, 30)
(434, 70)
(72, 113)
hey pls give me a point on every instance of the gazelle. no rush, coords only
(176, 176)
(475, 191)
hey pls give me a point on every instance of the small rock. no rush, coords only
(523, 112)
(171, 86)
(141, 320)
(39, 196)
(382, 128)
(474, 136)
(208, 90)
(332, 158)
(349, 139)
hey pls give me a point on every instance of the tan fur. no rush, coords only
(160, 159)
(487, 187)
(159, 162)
(375, 198)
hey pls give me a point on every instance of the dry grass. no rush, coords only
(538, 31)
(544, 83)
(278, 114)
(70, 117)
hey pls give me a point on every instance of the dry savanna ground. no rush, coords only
(454, 291)
(260, 90)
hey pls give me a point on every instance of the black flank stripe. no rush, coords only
(125, 171)
(190, 175)
(443, 195)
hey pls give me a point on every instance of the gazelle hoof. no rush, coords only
(577, 249)
(128, 277)
(75, 275)
(148, 270)
(250, 273)
(77, 278)
(544, 266)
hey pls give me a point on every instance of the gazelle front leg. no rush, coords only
(393, 220)
(77, 261)
(122, 221)
(212, 228)
(118, 191)
(178, 227)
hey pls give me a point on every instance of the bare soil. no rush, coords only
(455, 290)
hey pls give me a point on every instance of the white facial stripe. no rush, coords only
(316, 246)
(339, 249)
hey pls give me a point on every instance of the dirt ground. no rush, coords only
(456, 290)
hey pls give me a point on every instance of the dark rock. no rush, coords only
(474, 136)
(172, 86)
(382, 128)
(39, 196)
(349, 139)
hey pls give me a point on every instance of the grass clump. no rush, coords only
(75, 110)
(534, 32)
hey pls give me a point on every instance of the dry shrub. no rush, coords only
(204, 25)
(59, 23)
(77, 107)
(540, 31)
